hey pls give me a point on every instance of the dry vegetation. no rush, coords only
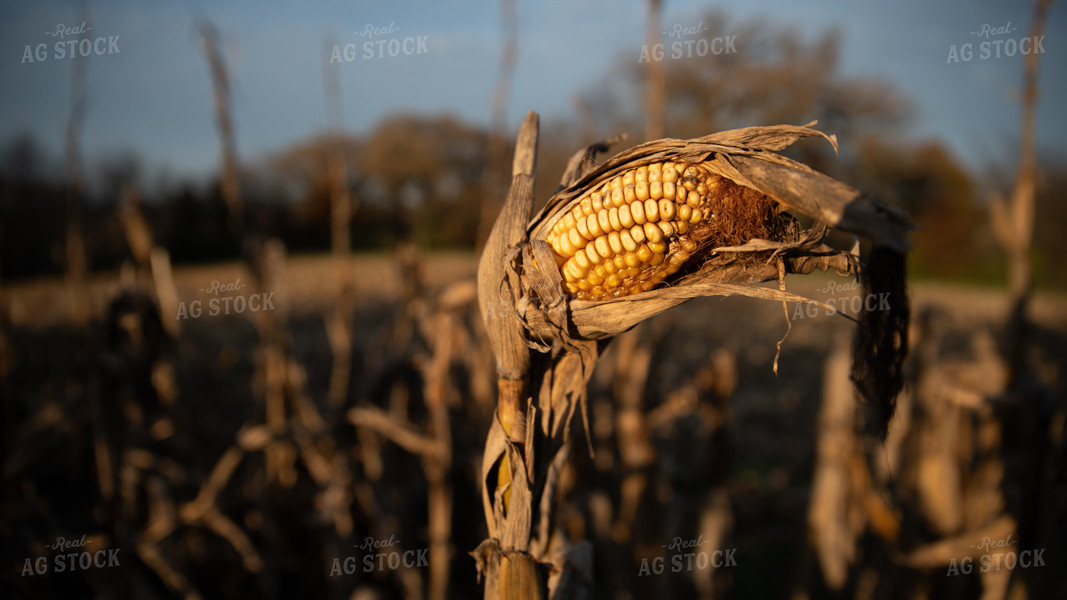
(250, 455)
(694, 436)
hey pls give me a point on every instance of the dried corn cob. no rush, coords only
(640, 227)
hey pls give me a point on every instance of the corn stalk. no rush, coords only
(547, 328)
(655, 83)
(496, 142)
(339, 325)
(1013, 220)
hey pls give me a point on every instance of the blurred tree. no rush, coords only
(938, 193)
(191, 224)
(297, 180)
(113, 174)
(22, 159)
(31, 202)
(299, 173)
(1049, 242)
(415, 177)
(772, 74)
(427, 172)
(767, 74)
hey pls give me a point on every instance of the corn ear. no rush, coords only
(621, 258)
(652, 227)
(640, 227)
(736, 174)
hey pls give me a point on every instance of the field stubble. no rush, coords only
(772, 420)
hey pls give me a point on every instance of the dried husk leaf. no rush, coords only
(746, 157)
(604, 319)
(505, 333)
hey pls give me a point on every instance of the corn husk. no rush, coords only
(746, 157)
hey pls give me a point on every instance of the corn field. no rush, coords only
(693, 364)
(694, 440)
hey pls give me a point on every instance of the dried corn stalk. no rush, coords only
(654, 226)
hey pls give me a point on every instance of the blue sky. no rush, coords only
(154, 96)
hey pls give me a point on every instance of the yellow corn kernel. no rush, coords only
(633, 231)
